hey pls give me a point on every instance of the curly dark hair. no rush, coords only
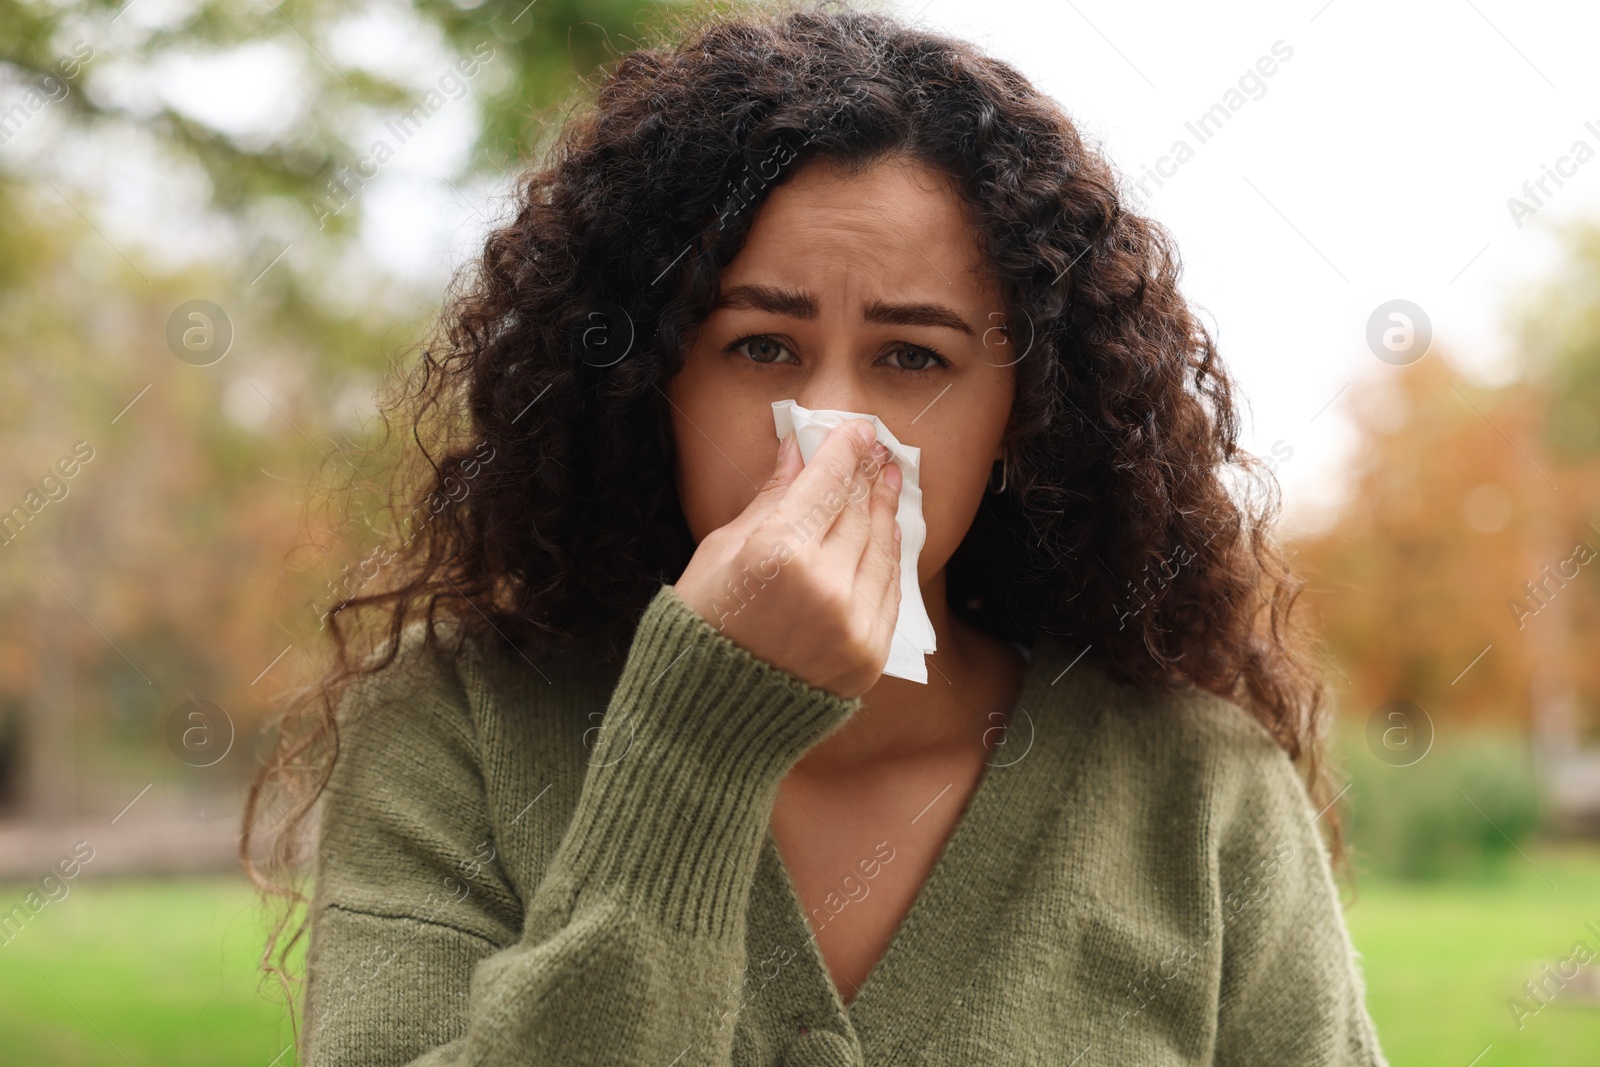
(548, 508)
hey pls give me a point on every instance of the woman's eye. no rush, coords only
(762, 349)
(909, 359)
(917, 360)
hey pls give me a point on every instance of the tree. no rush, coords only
(163, 570)
(1463, 573)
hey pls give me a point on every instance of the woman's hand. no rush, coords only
(808, 576)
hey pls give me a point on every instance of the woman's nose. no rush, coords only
(834, 390)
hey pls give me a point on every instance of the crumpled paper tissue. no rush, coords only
(913, 630)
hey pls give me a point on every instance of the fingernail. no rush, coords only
(786, 446)
(865, 431)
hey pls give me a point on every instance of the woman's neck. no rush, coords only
(973, 682)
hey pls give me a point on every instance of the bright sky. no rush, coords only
(1374, 163)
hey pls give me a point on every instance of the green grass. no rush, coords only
(144, 972)
(1442, 960)
(163, 971)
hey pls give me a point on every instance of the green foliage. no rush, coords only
(1560, 334)
(1463, 810)
(93, 79)
(548, 45)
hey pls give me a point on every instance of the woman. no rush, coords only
(626, 782)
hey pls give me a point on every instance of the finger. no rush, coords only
(785, 468)
(884, 547)
(889, 607)
(879, 564)
(848, 536)
(806, 506)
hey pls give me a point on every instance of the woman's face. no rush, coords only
(864, 293)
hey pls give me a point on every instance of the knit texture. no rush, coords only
(572, 863)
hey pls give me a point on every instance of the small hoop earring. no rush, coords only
(1005, 464)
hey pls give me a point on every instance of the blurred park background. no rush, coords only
(220, 222)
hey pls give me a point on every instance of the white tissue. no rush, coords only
(913, 630)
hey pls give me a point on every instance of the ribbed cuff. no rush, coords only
(699, 733)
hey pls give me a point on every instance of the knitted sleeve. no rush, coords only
(632, 948)
(1292, 990)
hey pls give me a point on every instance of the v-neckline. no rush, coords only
(974, 870)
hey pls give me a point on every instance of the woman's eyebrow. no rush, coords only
(799, 304)
(794, 303)
(916, 315)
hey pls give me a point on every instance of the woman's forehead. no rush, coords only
(896, 227)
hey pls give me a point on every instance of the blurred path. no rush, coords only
(156, 843)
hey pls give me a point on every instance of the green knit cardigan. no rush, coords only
(570, 864)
